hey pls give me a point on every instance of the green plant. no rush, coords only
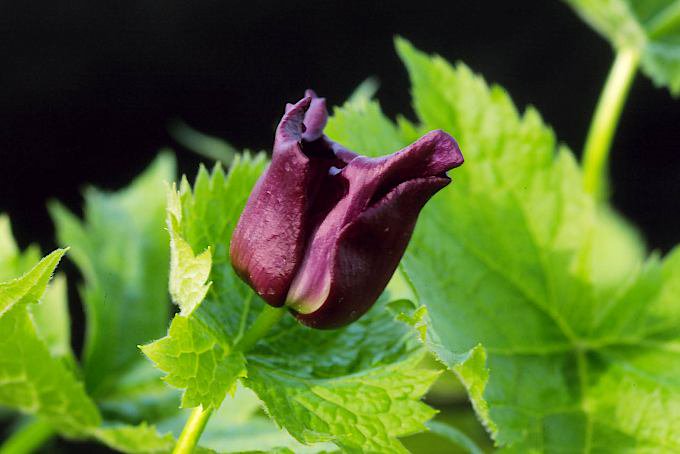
(521, 278)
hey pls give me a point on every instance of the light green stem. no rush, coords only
(265, 320)
(193, 428)
(603, 125)
(192, 431)
(28, 438)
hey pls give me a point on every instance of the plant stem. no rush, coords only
(607, 115)
(192, 431)
(265, 320)
(193, 428)
(28, 438)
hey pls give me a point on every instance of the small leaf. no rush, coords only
(203, 144)
(31, 286)
(365, 90)
(188, 272)
(196, 361)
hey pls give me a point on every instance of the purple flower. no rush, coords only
(324, 228)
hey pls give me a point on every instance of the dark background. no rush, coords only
(87, 87)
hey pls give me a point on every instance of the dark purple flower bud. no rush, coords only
(324, 228)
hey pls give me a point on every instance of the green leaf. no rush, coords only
(365, 90)
(258, 434)
(454, 435)
(652, 27)
(142, 438)
(121, 250)
(318, 385)
(188, 272)
(51, 315)
(140, 396)
(359, 387)
(203, 144)
(579, 330)
(51, 318)
(208, 215)
(13, 262)
(31, 286)
(237, 427)
(197, 361)
(361, 412)
(376, 134)
(198, 352)
(31, 379)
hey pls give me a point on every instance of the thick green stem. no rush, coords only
(603, 125)
(188, 439)
(28, 438)
(192, 431)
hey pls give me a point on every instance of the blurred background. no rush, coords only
(88, 88)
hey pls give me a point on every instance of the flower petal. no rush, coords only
(366, 254)
(316, 117)
(354, 251)
(269, 239)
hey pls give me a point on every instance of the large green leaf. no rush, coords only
(578, 331)
(40, 375)
(550, 285)
(31, 379)
(358, 387)
(651, 27)
(121, 250)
